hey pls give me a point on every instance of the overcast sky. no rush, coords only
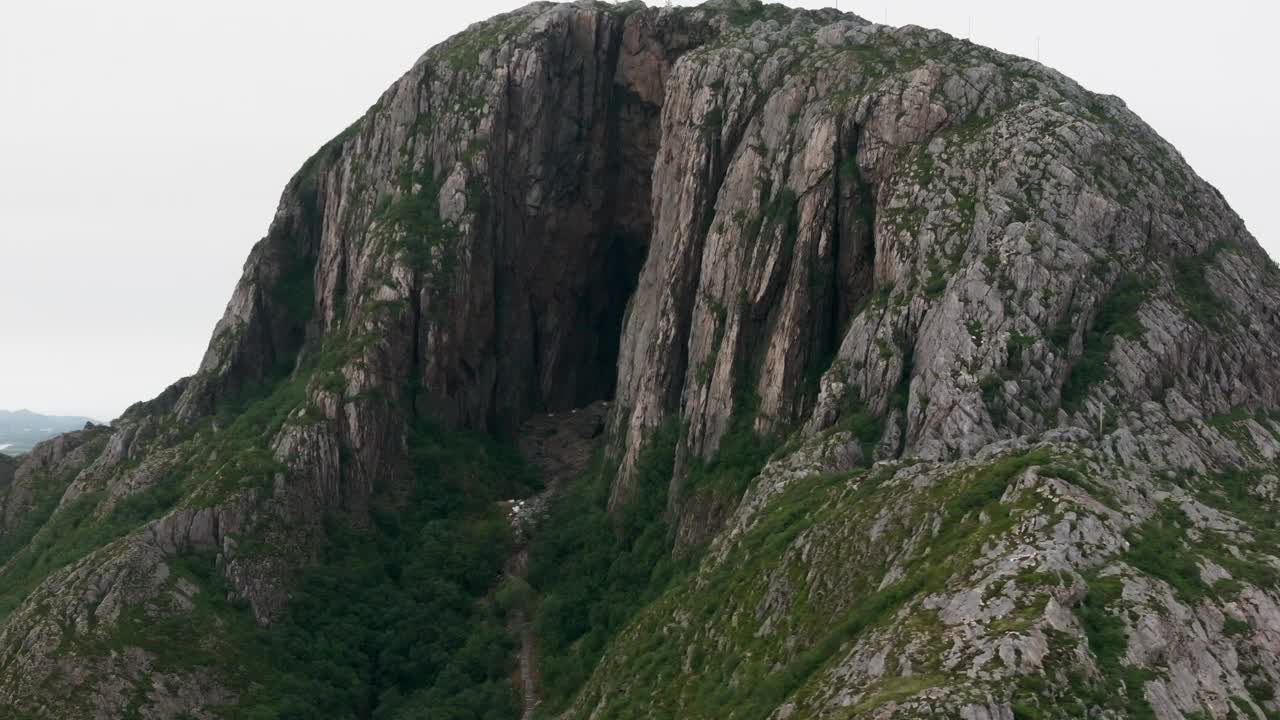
(144, 144)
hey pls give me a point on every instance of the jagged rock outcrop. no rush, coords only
(999, 346)
(978, 211)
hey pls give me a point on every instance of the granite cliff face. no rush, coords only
(968, 385)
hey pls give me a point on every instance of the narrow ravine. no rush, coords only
(560, 445)
(520, 626)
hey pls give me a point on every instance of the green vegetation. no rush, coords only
(1232, 491)
(1197, 296)
(745, 13)
(857, 418)
(596, 570)
(983, 493)
(294, 292)
(309, 174)
(47, 491)
(1117, 317)
(413, 224)
(936, 285)
(462, 51)
(205, 631)
(1157, 549)
(718, 660)
(992, 388)
(655, 660)
(1015, 350)
(1061, 332)
(394, 621)
(1121, 686)
(765, 697)
(741, 455)
(235, 453)
(721, 315)
(1232, 627)
(781, 213)
(75, 532)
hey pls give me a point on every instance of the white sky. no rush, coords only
(144, 144)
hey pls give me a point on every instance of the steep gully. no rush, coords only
(560, 440)
(560, 446)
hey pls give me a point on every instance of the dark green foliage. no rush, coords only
(936, 285)
(741, 455)
(765, 697)
(1120, 686)
(1117, 317)
(849, 173)
(781, 214)
(683, 671)
(1063, 472)
(294, 291)
(714, 121)
(596, 570)
(392, 622)
(1060, 334)
(515, 595)
(463, 50)
(1107, 639)
(211, 628)
(47, 492)
(746, 12)
(1231, 491)
(330, 151)
(1024, 711)
(1193, 288)
(784, 212)
(985, 491)
(654, 658)
(1015, 348)
(786, 520)
(1232, 627)
(74, 532)
(901, 397)
(982, 492)
(238, 450)
(1157, 549)
(992, 387)
(413, 220)
(857, 418)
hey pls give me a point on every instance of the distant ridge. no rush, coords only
(20, 430)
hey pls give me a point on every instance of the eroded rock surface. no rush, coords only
(1002, 349)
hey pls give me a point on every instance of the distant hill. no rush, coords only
(21, 430)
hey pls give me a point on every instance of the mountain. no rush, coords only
(21, 430)
(720, 362)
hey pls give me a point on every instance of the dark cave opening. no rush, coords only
(569, 263)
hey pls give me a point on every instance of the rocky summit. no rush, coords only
(732, 361)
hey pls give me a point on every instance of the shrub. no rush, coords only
(1197, 296)
(1117, 317)
(596, 570)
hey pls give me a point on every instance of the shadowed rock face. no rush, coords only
(847, 242)
(7, 467)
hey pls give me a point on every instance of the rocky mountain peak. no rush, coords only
(915, 356)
